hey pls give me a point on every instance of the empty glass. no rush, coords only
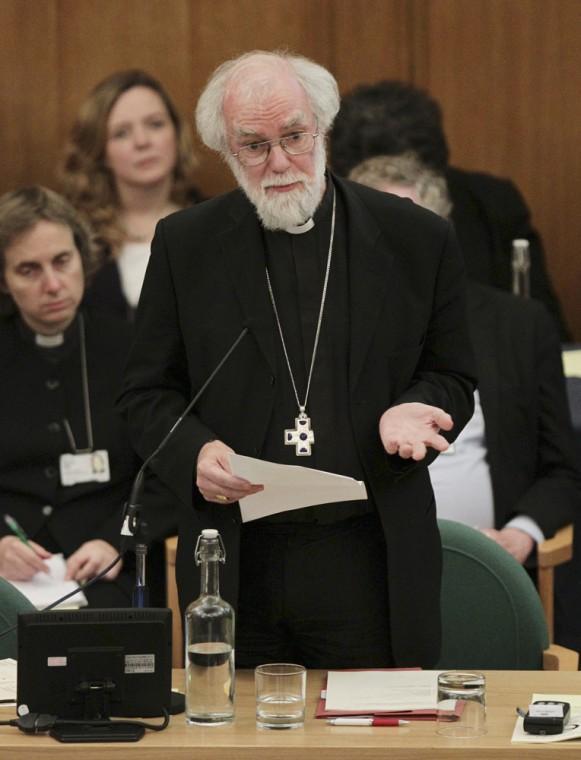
(280, 695)
(470, 689)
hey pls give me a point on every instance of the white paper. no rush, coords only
(289, 487)
(44, 589)
(8, 680)
(381, 690)
(572, 362)
(571, 731)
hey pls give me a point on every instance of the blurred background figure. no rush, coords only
(512, 471)
(67, 464)
(128, 163)
(392, 117)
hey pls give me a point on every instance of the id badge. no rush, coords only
(92, 467)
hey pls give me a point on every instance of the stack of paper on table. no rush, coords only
(406, 693)
(44, 589)
(7, 680)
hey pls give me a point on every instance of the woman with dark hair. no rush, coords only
(61, 368)
(128, 163)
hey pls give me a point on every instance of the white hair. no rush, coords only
(319, 85)
(406, 170)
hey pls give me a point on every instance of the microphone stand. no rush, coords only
(134, 529)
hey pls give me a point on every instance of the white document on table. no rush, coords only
(289, 487)
(381, 690)
(8, 680)
(45, 588)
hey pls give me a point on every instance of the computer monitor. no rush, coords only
(92, 664)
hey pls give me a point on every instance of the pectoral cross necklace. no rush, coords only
(302, 437)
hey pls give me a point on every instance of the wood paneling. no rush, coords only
(507, 72)
(372, 39)
(29, 100)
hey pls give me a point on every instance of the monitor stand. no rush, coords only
(116, 731)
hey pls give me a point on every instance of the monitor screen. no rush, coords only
(95, 663)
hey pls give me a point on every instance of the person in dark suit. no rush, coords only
(488, 212)
(67, 464)
(513, 471)
(355, 308)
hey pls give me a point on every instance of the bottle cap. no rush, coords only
(520, 243)
(209, 533)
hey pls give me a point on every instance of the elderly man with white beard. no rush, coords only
(354, 303)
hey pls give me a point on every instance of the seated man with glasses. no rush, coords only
(356, 361)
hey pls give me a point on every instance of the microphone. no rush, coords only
(132, 526)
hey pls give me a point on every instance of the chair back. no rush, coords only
(492, 617)
(11, 603)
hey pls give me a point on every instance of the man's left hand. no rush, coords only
(410, 429)
(515, 541)
(90, 559)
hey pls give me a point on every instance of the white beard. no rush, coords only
(290, 209)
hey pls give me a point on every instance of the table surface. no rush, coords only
(243, 741)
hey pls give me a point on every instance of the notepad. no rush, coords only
(7, 680)
(44, 589)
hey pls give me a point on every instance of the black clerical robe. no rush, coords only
(407, 342)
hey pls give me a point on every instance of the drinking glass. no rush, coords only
(470, 689)
(280, 695)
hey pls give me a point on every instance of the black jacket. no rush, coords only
(408, 342)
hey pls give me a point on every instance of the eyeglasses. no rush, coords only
(295, 144)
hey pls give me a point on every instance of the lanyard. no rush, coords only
(86, 399)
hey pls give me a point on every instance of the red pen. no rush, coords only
(377, 721)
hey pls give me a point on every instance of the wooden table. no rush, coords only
(243, 741)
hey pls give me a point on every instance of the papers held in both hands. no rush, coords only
(289, 487)
(44, 589)
(410, 694)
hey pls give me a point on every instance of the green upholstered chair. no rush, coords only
(492, 617)
(11, 603)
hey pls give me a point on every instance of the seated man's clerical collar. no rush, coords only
(49, 341)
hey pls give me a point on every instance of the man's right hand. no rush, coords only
(19, 561)
(214, 477)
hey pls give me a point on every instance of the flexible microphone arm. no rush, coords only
(131, 515)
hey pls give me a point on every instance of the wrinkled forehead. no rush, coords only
(265, 92)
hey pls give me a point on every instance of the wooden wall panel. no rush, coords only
(508, 75)
(372, 40)
(29, 100)
(507, 72)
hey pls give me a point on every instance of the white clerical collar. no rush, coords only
(301, 228)
(49, 341)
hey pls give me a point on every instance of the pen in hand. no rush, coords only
(39, 553)
(377, 721)
(16, 529)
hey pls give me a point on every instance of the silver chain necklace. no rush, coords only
(302, 437)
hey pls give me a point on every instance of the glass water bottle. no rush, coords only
(521, 264)
(209, 638)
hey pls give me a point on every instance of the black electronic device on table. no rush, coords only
(95, 664)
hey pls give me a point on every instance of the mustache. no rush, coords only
(283, 179)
